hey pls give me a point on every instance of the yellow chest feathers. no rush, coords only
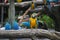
(32, 21)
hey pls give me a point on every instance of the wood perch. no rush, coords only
(29, 33)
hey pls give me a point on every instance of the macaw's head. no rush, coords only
(33, 15)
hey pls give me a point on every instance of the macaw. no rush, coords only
(32, 6)
(33, 23)
(7, 26)
(25, 24)
(15, 25)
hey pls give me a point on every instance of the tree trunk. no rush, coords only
(11, 11)
(29, 33)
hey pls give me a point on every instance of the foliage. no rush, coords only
(49, 21)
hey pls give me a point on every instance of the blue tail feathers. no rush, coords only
(15, 25)
(7, 26)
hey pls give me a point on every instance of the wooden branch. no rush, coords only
(22, 3)
(28, 33)
(26, 12)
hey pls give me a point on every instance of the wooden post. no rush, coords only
(11, 13)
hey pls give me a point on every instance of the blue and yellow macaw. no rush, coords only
(32, 23)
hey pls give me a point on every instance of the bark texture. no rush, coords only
(29, 33)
